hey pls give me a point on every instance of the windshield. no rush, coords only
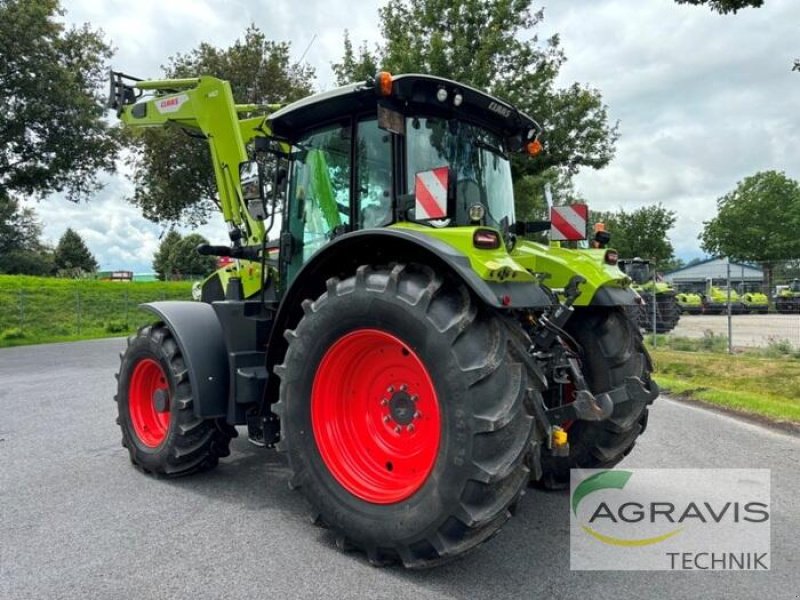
(638, 271)
(476, 157)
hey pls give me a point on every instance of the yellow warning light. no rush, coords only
(559, 437)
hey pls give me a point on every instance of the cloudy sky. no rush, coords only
(703, 100)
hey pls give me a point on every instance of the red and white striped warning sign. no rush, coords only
(568, 222)
(430, 191)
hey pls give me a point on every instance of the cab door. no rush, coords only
(320, 194)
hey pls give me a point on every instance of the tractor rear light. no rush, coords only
(383, 83)
(486, 239)
(611, 257)
(458, 99)
(441, 94)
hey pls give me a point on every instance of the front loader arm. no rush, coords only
(204, 105)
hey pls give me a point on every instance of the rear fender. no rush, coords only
(341, 257)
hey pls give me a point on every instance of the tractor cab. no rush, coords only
(412, 148)
(637, 269)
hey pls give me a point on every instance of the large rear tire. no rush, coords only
(406, 415)
(156, 415)
(612, 351)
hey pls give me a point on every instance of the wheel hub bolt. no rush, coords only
(410, 428)
(398, 429)
(390, 389)
(384, 402)
(386, 418)
(414, 398)
(403, 388)
(417, 415)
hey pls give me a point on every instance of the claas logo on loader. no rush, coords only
(172, 104)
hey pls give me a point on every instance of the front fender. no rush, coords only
(606, 285)
(199, 336)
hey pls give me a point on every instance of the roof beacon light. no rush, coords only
(534, 147)
(441, 95)
(384, 83)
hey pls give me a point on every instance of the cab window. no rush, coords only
(374, 160)
(319, 191)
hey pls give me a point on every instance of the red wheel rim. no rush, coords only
(375, 416)
(148, 402)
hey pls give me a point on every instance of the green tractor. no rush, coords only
(787, 298)
(396, 338)
(755, 302)
(667, 310)
(690, 303)
(716, 300)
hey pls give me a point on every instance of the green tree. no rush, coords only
(529, 193)
(188, 262)
(172, 172)
(72, 257)
(21, 251)
(162, 259)
(758, 222)
(177, 257)
(486, 43)
(355, 67)
(641, 233)
(52, 134)
(725, 6)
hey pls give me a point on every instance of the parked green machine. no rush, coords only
(689, 303)
(715, 301)
(418, 362)
(667, 311)
(787, 298)
(755, 302)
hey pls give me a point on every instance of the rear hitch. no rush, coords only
(588, 407)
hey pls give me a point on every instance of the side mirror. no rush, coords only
(252, 182)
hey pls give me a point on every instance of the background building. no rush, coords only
(695, 277)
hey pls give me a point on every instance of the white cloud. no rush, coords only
(703, 100)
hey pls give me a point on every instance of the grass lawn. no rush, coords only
(748, 383)
(34, 310)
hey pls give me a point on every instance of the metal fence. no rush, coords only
(48, 314)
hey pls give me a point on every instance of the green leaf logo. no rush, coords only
(599, 481)
(611, 480)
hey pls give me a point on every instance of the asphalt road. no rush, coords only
(77, 521)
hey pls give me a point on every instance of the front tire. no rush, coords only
(369, 354)
(155, 407)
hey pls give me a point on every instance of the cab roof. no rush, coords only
(412, 94)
